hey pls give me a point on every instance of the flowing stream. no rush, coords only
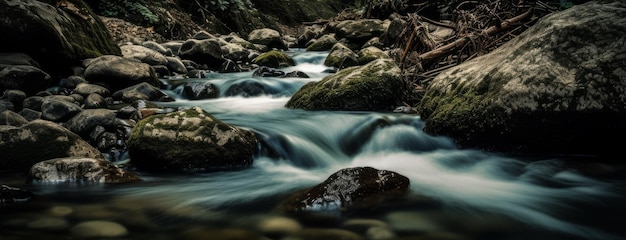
(481, 195)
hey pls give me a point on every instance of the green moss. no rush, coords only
(370, 90)
(274, 59)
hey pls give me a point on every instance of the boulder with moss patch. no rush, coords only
(274, 59)
(37, 141)
(376, 86)
(188, 141)
(559, 87)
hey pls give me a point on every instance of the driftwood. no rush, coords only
(479, 27)
(448, 48)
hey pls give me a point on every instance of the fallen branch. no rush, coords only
(451, 47)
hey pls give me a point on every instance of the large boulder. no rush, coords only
(37, 141)
(79, 169)
(559, 87)
(29, 79)
(57, 38)
(268, 37)
(349, 189)
(207, 51)
(376, 86)
(189, 140)
(119, 72)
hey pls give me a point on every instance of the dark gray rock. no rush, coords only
(119, 72)
(33, 103)
(349, 189)
(58, 110)
(86, 121)
(206, 51)
(197, 91)
(16, 97)
(94, 101)
(85, 89)
(15, 58)
(30, 114)
(25, 78)
(11, 195)
(11, 118)
(142, 91)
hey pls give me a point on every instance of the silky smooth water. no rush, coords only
(480, 195)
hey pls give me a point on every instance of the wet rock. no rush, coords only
(348, 190)
(10, 195)
(94, 101)
(142, 91)
(11, 118)
(72, 81)
(99, 229)
(40, 140)
(28, 79)
(57, 110)
(16, 97)
(78, 169)
(33, 102)
(206, 51)
(30, 114)
(235, 52)
(87, 120)
(189, 140)
(376, 86)
(247, 88)
(197, 91)
(119, 72)
(85, 89)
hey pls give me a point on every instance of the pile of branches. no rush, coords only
(475, 28)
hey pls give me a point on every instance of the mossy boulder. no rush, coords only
(274, 59)
(341, 56)
(37, 141)
(556, 89)
(376, 86)
(189, 141)
(57, 38)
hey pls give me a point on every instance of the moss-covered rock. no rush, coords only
(274, 59)
(557, 88)
(38, 141)
(376, 86)
(189, 140)
(341, 56)
(57, 38)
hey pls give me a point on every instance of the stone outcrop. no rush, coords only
(189, 140)
(376, 86)
(560, 87)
